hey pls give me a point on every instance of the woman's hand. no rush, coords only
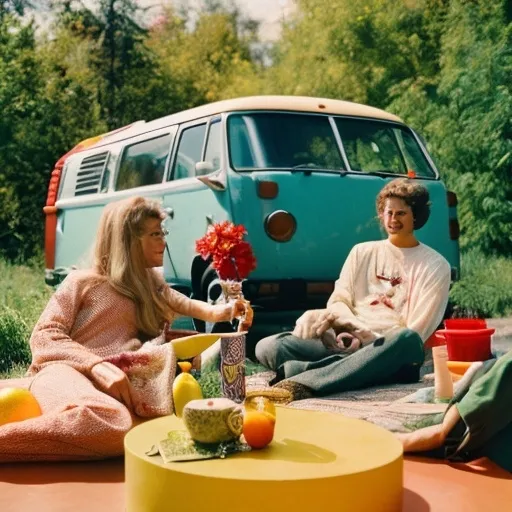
(112, 381)
(240, 309)
(243, 311)
(221, 313)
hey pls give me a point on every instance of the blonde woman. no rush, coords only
(99, 357)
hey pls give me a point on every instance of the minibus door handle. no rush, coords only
(170, 212)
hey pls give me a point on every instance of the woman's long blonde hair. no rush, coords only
(118, 258)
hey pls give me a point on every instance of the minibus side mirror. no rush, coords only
(203, 168)
(216, 180)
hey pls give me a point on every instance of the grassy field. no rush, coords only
(486, 288)
(23, 296)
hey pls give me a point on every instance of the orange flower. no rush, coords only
(231, 255)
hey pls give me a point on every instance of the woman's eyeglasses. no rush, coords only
(158, 234)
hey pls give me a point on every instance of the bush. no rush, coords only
(486, 285)
(14, 335)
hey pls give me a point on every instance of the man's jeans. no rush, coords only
(395, 359)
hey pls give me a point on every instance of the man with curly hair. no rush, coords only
(390, 297)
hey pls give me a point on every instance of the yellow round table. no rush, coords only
(317, 461)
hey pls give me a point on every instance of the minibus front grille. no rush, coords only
(89, 176)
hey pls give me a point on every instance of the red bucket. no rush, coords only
(465, 323)
(467, 344)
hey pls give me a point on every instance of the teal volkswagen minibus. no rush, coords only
(301, 174)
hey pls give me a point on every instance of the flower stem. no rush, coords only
(236, 270)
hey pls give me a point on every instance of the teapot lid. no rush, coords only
(216, 404)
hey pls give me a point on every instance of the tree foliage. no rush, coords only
(357, 50)
(466, 113)
(444, 66)
(22, 145)
(209, 62)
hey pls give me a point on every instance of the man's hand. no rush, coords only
(356, 329)
(312, 324)
(342, 343)
(112, 381)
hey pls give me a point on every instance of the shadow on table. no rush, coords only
(480, 467)
(295, 451)
(41, 473)
(413, 502)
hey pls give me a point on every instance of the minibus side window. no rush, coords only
(213, 149)
(62, 179)
(143, 163)
(105, 181)
(189, 152)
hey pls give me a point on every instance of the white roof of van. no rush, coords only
(286, 103)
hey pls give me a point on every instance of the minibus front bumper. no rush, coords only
(288, 294)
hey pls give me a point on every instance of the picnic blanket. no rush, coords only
(395, 407)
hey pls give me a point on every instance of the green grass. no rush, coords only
(23, 296)
(210, 379)
(16, 371)
(22, 288)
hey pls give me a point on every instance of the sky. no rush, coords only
(269, 12)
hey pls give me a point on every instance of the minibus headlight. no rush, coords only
(280, 226)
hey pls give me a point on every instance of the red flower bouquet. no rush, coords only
(231, 255)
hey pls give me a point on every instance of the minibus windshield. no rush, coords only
(288, 141)
(280, 140)
(381, 147)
